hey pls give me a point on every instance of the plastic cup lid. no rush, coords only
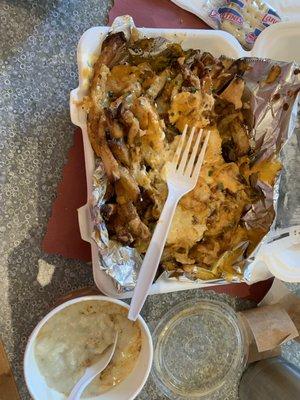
(198, 346)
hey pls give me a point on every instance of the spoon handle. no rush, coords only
(79, 387)
(93, 371)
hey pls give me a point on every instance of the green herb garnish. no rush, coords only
(110, 94)
(220, 186)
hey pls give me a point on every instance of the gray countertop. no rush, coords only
(38, 68)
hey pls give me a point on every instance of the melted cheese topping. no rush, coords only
(187, 228)
(152, 106)
(188, 108)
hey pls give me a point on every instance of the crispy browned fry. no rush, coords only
(149, 121)
(193, 61)
(176, 85)
(208, 59)
(115, 106)
(234, 92)
(112, 44)
(126, 187)
(107, 210)
(110, 164)
(114, 127)
(221, 71)
(158, 52)
(124, 236)
(127, 225)
(128, 211)
(100, 146)
(110, 191)
(92, 128)
(124, 82)
(163, 100)
(144, 205)
(147, 76)
(158, 84)
(190, 77)
(117, 225)
(136, 227)
(219, 76)
(274, 73)
(113, 50)
(141, 109)
(134, 126)
(227, 62)
(240, 137)
(98, 89)
(139, 229)
(120, 151)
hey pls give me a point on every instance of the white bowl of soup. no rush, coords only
(73, 336)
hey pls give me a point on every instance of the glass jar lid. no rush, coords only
(198, 346)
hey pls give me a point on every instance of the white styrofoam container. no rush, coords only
(274, 42)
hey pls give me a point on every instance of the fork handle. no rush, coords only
(152, 256)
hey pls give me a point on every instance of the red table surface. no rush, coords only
(156, 14)
(62, 236)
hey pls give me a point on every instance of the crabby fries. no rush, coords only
(142, 94)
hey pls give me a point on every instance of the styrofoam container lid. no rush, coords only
(279, 42)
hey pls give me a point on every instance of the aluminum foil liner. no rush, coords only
(273, 108)
(121, 263)
(272, 125)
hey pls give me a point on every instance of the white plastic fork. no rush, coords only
(182, 176)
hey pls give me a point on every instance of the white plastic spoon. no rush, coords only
(92, 371)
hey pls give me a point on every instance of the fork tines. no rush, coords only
(190, 165)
